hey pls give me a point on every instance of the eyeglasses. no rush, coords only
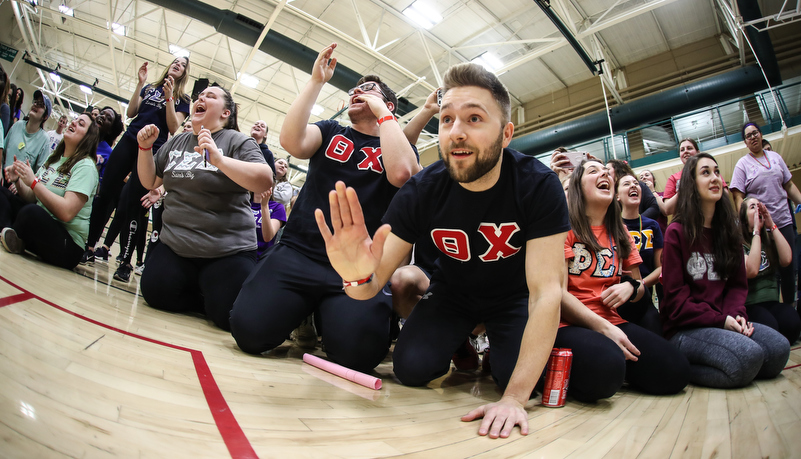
(752, 134)
(38, 103)
(369, 86)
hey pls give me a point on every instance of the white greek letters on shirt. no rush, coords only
(764, 262)
(182, 163)
(341, 148)
(582, 261)
(605, 257)
(60, 181)
(711, 274)
(698, 264)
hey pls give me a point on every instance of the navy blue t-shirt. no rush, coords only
(646, 241)
(153, 110)
(348, 155)
(482, 236)
(269, 158)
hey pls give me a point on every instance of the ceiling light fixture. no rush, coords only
(422, 14)
(177, 51)
(248, 80)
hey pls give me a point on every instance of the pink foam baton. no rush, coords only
(342, 372)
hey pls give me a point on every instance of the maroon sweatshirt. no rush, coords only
(695, 295)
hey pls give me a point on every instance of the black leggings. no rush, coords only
(121, 162)
(206, 285)
(778, 316)
(286, 287)
(642, 313)
(133, 217)
(42, 234)
(787, 274)
(599, 367)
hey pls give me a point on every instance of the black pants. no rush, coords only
(133, 217)
(599, 367)
(286, 287)
(157, 211)
(642, 313)
(120, 163)
(43, 235)
(206, 285)
(443, 319)
(778, 316)
(787, 274)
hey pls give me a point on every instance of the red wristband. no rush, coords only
(357, 283)
(386, 118)
(33, 184)
(145, 149)
(170, 99)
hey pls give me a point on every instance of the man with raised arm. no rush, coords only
(499, 219)
(295, 278)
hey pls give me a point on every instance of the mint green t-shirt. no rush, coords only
(32, 147)
(82, 179)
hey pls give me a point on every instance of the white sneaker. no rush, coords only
(480, 342)
(139, 268)
(11, 240)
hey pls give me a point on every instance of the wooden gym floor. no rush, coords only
(88, 370)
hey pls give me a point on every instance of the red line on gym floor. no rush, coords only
(793, 366)
(233, 436)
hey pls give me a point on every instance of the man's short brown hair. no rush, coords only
(470, 74)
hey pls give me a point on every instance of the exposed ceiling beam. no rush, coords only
(257, 45)
(594, 28)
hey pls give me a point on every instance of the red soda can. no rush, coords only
(557, 377)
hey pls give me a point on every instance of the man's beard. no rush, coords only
(485, 161)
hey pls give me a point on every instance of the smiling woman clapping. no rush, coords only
(51, 214)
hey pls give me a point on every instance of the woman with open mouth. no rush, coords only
(54, 222)
(165, 104)
(647, 237)
(763, 175)
(603, 275)
(765, 251)
(208, 237)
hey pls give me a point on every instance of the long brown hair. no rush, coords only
(86, 148)
(580, 224)
(727, 247)
(4, 88)
(179, 90)
(767, 242)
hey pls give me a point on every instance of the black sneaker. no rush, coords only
(101, 254)
(123, 273)
(11, 241)
(88, 257)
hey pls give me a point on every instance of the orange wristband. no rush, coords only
(386, 118)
